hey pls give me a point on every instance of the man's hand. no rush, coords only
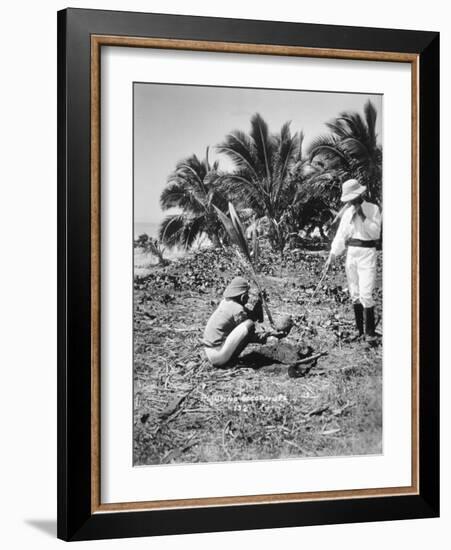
(263, 295)
(257, 311)
(330, 260)
(279, 334)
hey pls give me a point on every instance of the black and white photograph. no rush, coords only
(227, 230)
(257, 274)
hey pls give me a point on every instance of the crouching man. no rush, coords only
(232, 326)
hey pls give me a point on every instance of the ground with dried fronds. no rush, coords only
(185, 410)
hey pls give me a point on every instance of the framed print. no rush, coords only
(248, 274)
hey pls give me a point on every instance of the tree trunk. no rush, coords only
(215, 240)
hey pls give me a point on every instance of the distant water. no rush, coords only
(149, 228)
(152, 229)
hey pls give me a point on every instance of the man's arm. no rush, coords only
(342, 234)
(373, 223)
(241, 315)
(256, 313)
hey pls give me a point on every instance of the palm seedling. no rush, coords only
(237, 236)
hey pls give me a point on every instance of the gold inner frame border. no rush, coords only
(97, 41)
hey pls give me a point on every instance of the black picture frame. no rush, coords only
(76, 520)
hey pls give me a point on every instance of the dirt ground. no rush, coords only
(185, 410)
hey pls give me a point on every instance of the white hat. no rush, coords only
(351, 189)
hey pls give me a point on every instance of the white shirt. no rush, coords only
(353, 227)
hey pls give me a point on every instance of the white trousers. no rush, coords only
(233, 343)
(361, 274)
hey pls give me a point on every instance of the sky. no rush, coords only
(172, 122)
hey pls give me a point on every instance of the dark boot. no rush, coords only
(358, 313)
(369, 324)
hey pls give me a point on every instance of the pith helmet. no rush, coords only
(237, 286)
(351, 190)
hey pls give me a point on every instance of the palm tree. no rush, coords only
(193, 189)
(316, 200)
(262, 177)
(353, 145)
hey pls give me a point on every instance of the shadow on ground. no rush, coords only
(46, 526)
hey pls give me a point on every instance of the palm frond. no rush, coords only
(241, 187)
(187, 170)
(255, 245)
(327, 145)
(356, 126)
(301, 145)
(182, 194)
(181, 230)
(370, 119)
(287, 151)
(192, 230)
(240, 233)
(264, 143)
(171, 228)
(356, 148)
(326, 140)
(235, 230)
(241, 150)
(197, 167)
(233, 234)
(339, 128)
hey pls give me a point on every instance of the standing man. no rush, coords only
(359, 231)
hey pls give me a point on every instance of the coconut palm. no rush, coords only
(353, 145)
(192, 188)
(262, 177)
(314, 204)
